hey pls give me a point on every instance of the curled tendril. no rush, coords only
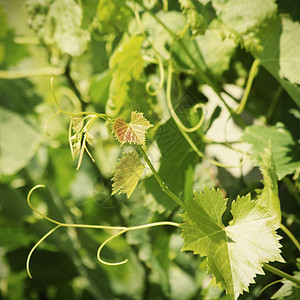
(61, 224)
(126, 229)
(102, 246)
(183, 129)
(158, 86)
(172, 111)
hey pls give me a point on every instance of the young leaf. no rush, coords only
(114, 16)
(133, 132)
(289, 289)
(285, 150)
(195, 14)
(128, 172)
(269, 195)
(235, 253)
(244, 16)
(126, 63)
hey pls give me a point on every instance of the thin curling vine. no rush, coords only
(121, 230)
(184, 130)
(246, 245)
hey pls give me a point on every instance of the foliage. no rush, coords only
(189, 108)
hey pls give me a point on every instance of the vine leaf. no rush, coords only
(269, 195)
(289, 289)
(235, 253)
(128, 172)
(133, 132)
(285, 149)
(196, 16)
(126, 64)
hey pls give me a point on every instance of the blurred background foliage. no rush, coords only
(82, 43)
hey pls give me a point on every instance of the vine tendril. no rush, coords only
(154, 83)
(270, 284)
(150, 59)
(172, 111)
(183, 130)
(252, 73)
(60, 224)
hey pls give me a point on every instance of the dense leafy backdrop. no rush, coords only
(107, 56)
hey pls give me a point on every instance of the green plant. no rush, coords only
(175, 63)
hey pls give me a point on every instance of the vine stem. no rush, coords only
(158, 178)
(183, 129)
(290, 235)
(281, 274)
(199, 69)
(252, 74)
(126, 229)
(31, 73)
(121, 229)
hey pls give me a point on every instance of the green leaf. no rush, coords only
(114, 15)
(61, 22)
(244, 16)
(126, 63)
(3, 31)
(272, 39)
(195, 14)
(89, 9)
(99, 87)
(216, 50)
(280, 54)
(269, 196)
(161, 39)
(133, 132)
(289, 290)
(235, 253)
(18, 143)
(286, 152)
(128, 172)
(176, 158)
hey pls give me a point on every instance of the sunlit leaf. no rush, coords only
(195, 15)
(133, 132)
(286, 151)
(126, 63)
(269, 195)
(128, 172)
(235, 253)
(289, 290)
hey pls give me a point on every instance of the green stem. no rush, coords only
(184, 129)
(281, 274)
(200, 71)
(252, 74)
(72, 84)
(290, 235)
(31, 73)
(158, 179)
(26, 40)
